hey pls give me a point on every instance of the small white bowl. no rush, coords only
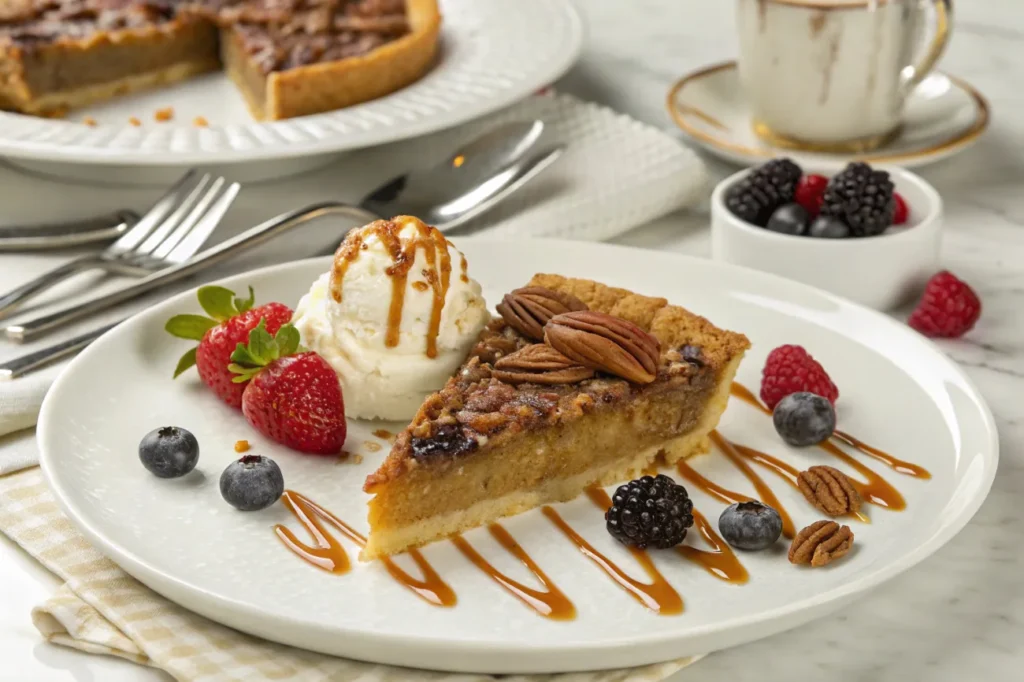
(881, 272)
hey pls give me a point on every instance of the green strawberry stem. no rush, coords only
(262, 350)
(220, 304)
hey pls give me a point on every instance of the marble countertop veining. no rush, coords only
(959, 615)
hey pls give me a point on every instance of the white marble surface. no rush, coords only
(960, 615)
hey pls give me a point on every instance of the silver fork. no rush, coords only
(168, 234)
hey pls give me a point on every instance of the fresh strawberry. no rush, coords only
(291, 397)
(229, 323)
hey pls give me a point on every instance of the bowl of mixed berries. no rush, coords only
(868, 234)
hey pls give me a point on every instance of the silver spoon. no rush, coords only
(468, 183)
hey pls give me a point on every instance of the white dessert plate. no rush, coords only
(493, 53)
(944, 115)
(899, 393)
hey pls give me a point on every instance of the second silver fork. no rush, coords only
(171, 232)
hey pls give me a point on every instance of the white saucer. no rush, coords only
(944, 116)
(899, 392)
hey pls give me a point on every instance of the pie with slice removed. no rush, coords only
(545, 407)
(288, 57)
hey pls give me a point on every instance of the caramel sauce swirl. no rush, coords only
(658, 595)
(550, 602)
(720, 561)
(329, 555)
(901, 466)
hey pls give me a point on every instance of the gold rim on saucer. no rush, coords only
(858, 146)
(680, 112)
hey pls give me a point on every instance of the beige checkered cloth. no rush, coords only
(102, 610)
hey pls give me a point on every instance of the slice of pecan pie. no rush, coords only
(576, 384)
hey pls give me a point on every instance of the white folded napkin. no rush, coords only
(616, 174)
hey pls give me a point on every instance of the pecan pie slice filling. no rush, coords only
(622, 381)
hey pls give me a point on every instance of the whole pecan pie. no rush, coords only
(288, 57)
(576, 384)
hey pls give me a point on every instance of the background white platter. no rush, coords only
(493, 53)
(898, 392)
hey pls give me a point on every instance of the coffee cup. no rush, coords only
(834, 75)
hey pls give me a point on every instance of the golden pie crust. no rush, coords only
(327, 86)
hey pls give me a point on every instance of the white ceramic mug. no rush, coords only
(834, 75)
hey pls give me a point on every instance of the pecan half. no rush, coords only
(829, 490)
(527, 310)
(539, 364)
(820, 543)
(606, 343)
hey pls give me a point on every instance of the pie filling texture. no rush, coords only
(288, 57)
(481, 448)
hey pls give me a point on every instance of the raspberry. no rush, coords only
(948, 308)
(791, 369)
(810, 192)
(902, 213)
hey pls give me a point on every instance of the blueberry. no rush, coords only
(169, 452)
(750, 525)
(827, 227)
(252, 483)
(789, 219)
(804, 419)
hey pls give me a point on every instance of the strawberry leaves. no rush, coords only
(192, 327)
(221, 305)
(186, 361)
(262, 350)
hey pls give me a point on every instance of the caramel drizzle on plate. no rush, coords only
(657, 595)
(894, 463)
(329, 554)
(550, 602)
(784, 471)
(437, 274)
(720, 561)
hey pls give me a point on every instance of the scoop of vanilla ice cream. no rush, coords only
(385, 380)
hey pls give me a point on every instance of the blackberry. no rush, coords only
(764, 189)
(862, 198)
(650, 512)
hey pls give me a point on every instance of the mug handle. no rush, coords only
(915, 73)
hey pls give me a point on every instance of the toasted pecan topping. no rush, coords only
(820, 544)
(527, 310)
(605, 343)
(829, 490)
(540, 364)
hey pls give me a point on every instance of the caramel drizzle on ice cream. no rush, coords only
(437, 274)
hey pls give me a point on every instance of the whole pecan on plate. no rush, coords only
(527, 310)
(829, 490)
(820, 544)
(605, 343)
(539, 364)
